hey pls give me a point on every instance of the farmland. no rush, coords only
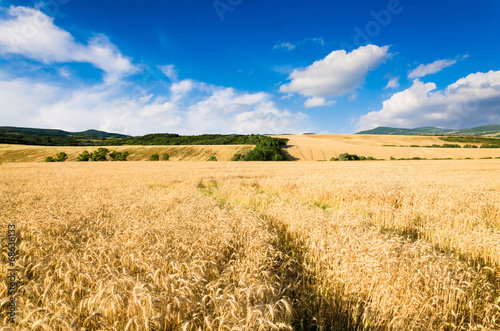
(26, 153)
(254, 245)
(323, 147)
(298, 148)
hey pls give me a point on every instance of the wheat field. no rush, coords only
(407, 245)
(25, 153)
(323, 147)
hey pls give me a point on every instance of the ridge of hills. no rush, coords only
(486, 130)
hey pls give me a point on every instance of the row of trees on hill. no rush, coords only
(46, 139)
(101, 154)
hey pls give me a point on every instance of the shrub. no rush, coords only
(489, 146)
(238, 157)
(119, 156)
(348, 157)
(61, 157)
(393, 158)
(212, 158)
(85, 156)
(165, 157)
(352, 157)
(154, 157)
(100, 154)
(470, 146)
(451, 146)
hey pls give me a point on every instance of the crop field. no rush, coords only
(26, 153)
(323, 147)
(406, 245)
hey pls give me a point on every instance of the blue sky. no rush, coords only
(249, 66)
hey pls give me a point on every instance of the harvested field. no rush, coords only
(409, 245)
(323, 147)
(25, 153)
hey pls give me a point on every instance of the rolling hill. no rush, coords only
(91, 134)
(488, 130)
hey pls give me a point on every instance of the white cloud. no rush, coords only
(226, 110)
(337, 74)
(289, 46)
(180, 89)
(317, 102)
(140, 107)
(170, 72)
(431, 68)
(157, 109)
(471, 101)
(31, 33)
(285, 45)
(64, 72)
(392, 83)
(190, 108)
(267, 118)
(20, 98)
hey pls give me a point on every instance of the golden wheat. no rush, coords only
(244, 245)
(323, 147)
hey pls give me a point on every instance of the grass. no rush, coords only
(263, 246)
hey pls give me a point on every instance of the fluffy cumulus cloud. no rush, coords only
(431, 68)
(188, 107)
(471, 101)
(337, 74)
(149, 103)
(227, 110)
(31, 33)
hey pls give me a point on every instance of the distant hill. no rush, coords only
(51, 137)
(488, 130)
(92, 134)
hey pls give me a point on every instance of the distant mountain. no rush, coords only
(89, 134)
(488, 130)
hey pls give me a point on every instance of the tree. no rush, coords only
(61, 157)
(154, 157)
(165, 157)
(100, 154)
(85, 156)
(49, 159)
(119, 156)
